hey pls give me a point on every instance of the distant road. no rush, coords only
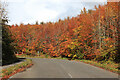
(56, 68)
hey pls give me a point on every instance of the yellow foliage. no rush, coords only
(102, 17)
(69, 55)
(111, 45)
(68, 45)
(74, 56)
(72, 42)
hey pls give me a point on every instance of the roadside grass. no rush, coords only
(41, 56)
(107, 65)
(27, 56)
(7, 72)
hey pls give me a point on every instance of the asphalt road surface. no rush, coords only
(56, 68)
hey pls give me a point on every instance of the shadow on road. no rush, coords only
(12, 63)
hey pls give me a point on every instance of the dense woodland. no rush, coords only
(92, 35)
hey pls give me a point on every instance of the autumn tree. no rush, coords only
(93, 34)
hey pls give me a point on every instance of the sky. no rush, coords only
(30, 11)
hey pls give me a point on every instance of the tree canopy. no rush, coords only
(91, 35)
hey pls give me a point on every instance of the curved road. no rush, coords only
(56, 68)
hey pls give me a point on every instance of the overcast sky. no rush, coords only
(30, 11)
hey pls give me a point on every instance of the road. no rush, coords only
(56, 68)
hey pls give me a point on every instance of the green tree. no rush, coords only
(7, 49)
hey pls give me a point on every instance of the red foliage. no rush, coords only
(86, 32)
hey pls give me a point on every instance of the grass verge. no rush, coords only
(108, 65)
(8, 72)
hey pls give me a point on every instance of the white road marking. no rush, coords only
(70, 75)
(66, 72)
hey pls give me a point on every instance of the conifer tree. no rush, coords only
(7, 49)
